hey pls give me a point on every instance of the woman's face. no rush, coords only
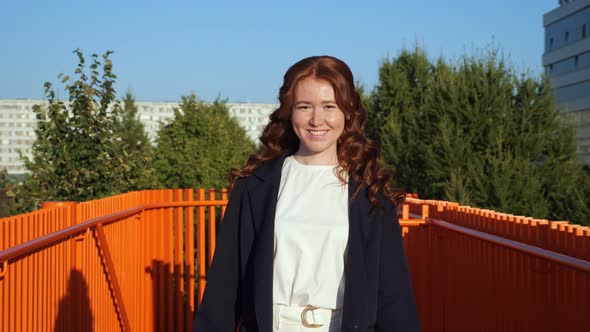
(317, 121)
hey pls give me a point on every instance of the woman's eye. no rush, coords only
(330, 107)
(303, 108)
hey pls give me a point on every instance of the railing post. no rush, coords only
(405, 212)
(189, 242)
(178, 263)
(212, 227)
(425, 214)
(201, 249)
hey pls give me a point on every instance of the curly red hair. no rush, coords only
(358, 156)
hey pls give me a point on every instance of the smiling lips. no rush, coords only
(318, 133)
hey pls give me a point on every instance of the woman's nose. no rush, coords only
(317, 117)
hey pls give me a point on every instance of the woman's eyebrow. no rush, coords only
(305, 102)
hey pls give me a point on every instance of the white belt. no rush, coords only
(309, 316)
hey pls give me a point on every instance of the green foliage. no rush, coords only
(478, 133)
(200, 145)
(368, 105)
(18, 196)
(399, 107)
(136, 145)
(7, 201)
(79, 153)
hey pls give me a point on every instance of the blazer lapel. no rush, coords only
(263, 199)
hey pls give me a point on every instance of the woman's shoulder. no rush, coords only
(386, 206)
(381, 198)
(241, 183)
(390, 202)
(260, 171)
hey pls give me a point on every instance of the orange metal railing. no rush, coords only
(137, 262)
(559, 236)
(125, 262)
(468, 280)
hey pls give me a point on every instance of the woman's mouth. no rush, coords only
(318, 132)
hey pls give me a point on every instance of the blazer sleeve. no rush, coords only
(220, 309)
(396, 307)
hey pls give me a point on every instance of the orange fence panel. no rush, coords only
(121, 263)
(127, 262)
(559, 236)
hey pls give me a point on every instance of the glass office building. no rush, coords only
(567, 62)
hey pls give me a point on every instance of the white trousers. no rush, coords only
(288, 319)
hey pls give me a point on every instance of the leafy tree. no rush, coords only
(78, 153)
(15, 195)
(7, 203)
(200, 145)
(478, 133)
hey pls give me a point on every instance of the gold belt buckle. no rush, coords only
(309, 307)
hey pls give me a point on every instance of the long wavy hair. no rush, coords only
(358, 156)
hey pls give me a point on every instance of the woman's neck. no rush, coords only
(327, 158)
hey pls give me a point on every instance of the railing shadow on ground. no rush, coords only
(166, 290)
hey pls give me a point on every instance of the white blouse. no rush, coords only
(311, 234)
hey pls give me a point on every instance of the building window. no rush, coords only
(551, 43)
(576, 61)
(567, 35)
(584, 32)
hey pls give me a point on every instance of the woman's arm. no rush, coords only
(396, 308)
(220, 310)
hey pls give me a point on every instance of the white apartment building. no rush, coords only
(252, 117)
(17, 124)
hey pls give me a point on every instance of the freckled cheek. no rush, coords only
(299, 123)
(336, 121)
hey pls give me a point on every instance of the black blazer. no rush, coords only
(378, 293)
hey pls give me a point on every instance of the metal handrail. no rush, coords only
(43, 241)
(572, 262)
(30, 246)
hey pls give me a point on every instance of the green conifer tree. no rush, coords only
(399, 109)
(478, 133)
(136, 145)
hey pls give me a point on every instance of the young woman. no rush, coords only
(310, 240)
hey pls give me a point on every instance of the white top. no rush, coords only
(311, 234)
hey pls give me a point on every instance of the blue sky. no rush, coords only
(239, 50)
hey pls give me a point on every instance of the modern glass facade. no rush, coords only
(567, 62)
